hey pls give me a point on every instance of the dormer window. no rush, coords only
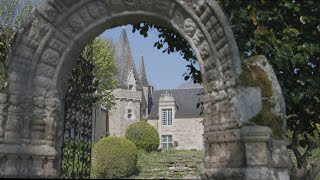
(130, 87)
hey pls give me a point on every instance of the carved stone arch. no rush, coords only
(45, 51)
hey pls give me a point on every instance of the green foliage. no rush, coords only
(13, 13)
(104, 69)
(113, 157)
(143, 135)
(288, 34)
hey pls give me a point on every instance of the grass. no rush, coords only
(156, 164)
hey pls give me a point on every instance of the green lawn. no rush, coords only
(157, 164)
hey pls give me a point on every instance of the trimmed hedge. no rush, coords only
(143, 135)
(113, 158)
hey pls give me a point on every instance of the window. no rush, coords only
(130, 87)
(166, 141)
(129, 114)
(166, 117)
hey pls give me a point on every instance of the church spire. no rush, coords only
(142, 73)
(124, 61)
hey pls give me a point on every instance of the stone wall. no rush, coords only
(3, 107)
(187, 132)
(185, 168)
(124, 100)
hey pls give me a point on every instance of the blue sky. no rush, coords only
(164, 71)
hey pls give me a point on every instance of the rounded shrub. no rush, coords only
(113, 158)
(143, 135)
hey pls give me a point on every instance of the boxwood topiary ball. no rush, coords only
(114, 158)
(143, 135)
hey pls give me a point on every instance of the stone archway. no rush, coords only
(45, 51)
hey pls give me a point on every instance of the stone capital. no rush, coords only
(255, 133)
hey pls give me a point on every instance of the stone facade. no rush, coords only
(187, 133)
(46, 48)
(126, 101)
(186, 128)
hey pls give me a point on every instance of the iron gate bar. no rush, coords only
(77, 137)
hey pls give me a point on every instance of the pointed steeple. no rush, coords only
(142, 73)
(124, 61)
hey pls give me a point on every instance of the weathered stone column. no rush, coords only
(260, 152)
(255, 140)
(27, 161)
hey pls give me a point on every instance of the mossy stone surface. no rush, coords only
(254, 76)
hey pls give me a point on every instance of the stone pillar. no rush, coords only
(255, 140)
(266, 158)
(27, 161)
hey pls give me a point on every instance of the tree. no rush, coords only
(288, 34)
(13, 13)
(104, 69)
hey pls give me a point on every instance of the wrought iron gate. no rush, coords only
(76, 149)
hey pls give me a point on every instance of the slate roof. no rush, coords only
(186, 101)
(142, 74)
(124, 62)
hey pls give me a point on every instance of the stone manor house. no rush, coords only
(172, 112)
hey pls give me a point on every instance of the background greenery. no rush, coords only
(288, 34)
